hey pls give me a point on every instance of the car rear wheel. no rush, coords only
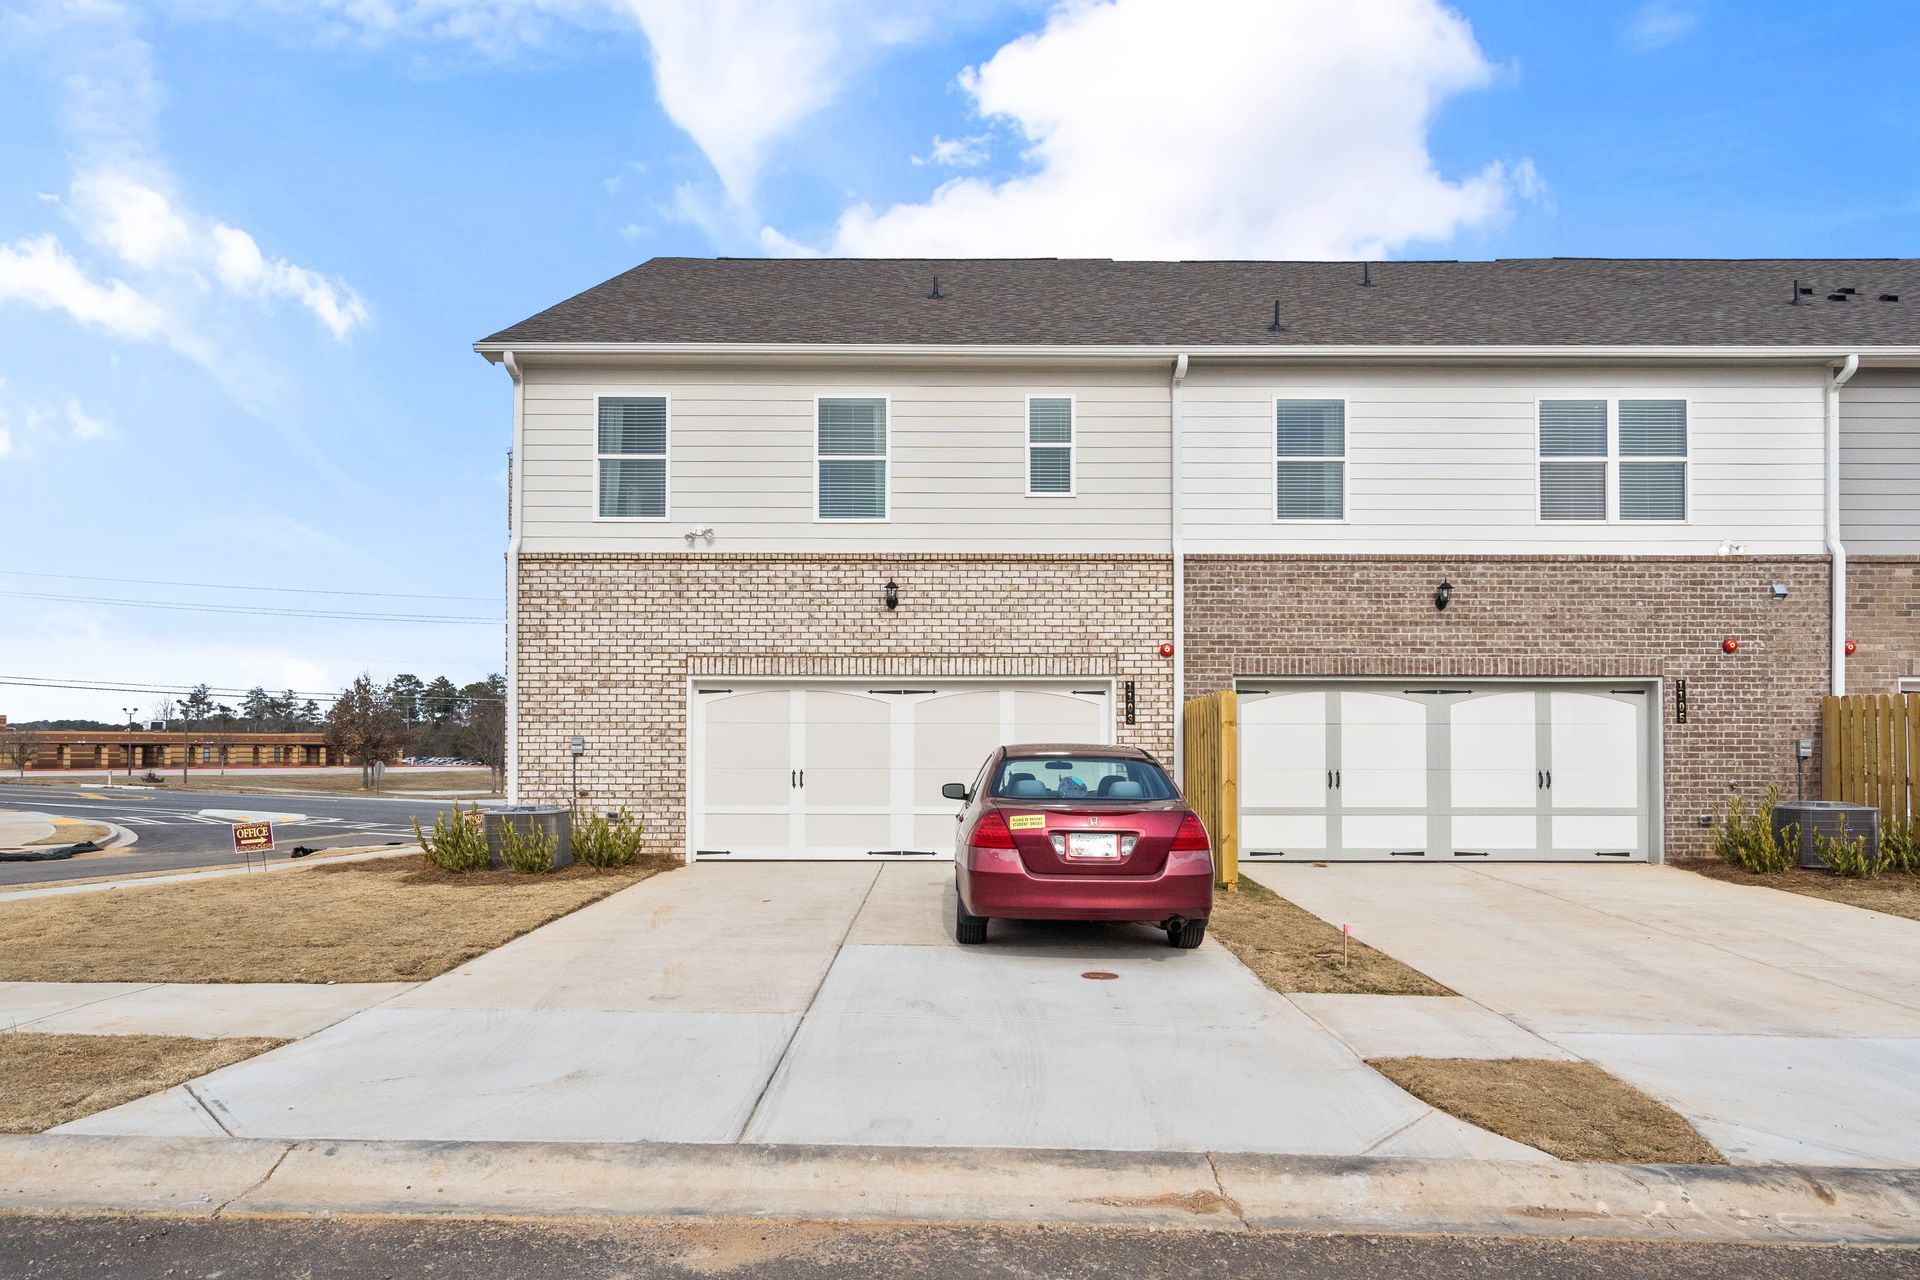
(1187, 934)
(967, 929)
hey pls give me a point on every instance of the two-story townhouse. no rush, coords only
(1507, 559)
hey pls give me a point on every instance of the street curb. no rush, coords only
(196, 1177)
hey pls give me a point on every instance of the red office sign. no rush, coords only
(253, 837)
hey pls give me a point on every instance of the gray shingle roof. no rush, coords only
(1099, 302)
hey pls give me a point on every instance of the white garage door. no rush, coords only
(854, 770)
(1446, 770)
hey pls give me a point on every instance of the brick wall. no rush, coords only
(1883, 620)
(1544, 617)
(608, 643)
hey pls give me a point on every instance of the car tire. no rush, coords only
(967, 929)
(1188, 934)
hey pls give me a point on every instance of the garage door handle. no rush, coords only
(1549, 779)
(793, 778)
(1539, 779)
(1333, 780)
(803, 779)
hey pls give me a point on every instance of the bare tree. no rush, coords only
(163, 712)
(364, 724)
(484, 737)
(19, 747)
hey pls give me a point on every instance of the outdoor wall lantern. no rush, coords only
(893, 594)
(1443, 596)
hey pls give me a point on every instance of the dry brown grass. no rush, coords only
(383, 920)
(1894, 894)
(312, 859)
(332, 782)
(54, 1079)
(72, 831)
(1293, 950)
(1570, 1110)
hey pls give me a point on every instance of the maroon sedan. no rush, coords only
(1079, 833)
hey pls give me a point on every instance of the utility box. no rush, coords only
(1832, 819)
(553, 818)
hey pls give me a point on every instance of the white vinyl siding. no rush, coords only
(1880, 462)
(745, 462)
(1445, 458)
(632, 457)
(851, 461)
(1050, 446)
(1310, 459)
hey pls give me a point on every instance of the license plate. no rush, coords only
(1089, 845)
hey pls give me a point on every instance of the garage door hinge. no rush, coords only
(903, 691)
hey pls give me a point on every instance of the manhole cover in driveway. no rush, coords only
(1099, 975)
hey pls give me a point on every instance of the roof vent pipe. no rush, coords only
(1276, 326)
(1366, 275)
(936, 289)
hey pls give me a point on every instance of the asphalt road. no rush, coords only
(175, 831)
(46, 1248)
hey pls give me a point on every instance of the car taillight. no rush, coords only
(1191, 837)
(991, 832)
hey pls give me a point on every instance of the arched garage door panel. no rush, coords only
(852, 770)
(1422, 771)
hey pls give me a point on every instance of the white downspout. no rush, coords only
(1178, 545)
(515, 481)
(1836, 550)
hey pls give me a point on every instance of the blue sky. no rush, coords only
(245, 244)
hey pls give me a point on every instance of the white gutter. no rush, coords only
(1235, 351)
(1177, 473)
(1837, 550)
(515, 508)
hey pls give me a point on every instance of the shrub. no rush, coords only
(600, 841)
(1847, 855)
(1900, 846)
(457, 842)
(529, 851)
(1749, 841)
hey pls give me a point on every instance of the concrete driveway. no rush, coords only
(1786, 1028)
(823, 1003)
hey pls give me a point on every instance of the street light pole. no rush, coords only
(129, 711)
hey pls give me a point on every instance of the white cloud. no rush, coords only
(82, 425)
(737, 75)
(1660, 23)
(42, 274)
(1245, 128)
(957, 153)
(241, 266)
(28, 425)
(495, 28)
(129, 218)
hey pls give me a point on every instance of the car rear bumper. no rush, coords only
(998, 885)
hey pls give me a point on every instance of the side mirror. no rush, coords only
(954, 791)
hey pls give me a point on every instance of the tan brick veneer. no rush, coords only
(1883, 619)
(608, 643)
(1544, 617)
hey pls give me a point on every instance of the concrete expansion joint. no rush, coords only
(1220, 1188)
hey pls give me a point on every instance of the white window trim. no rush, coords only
(1275, 457)
(666, 458)
(1072, 445)
(1613, 460)
(887, 458)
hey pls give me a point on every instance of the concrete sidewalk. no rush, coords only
(1786, 1028)
(1184, 1191)
(281, 1010)
(823, 1004)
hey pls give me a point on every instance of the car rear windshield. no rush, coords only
(1079, 778)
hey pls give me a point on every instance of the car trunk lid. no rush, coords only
(1067, 838)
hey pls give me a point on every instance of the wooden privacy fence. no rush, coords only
(1871, 752)
(1212, 781)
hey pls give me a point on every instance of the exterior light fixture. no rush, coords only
(893, 594)
(1730, 645)
(1443, 596)
(1779, 591)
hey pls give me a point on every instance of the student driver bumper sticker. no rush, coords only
(1027, 821)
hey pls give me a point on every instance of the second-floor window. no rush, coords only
(633, 457)
(1049, 446)
(851, 459)
(1310, 460)
(1590, 472)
